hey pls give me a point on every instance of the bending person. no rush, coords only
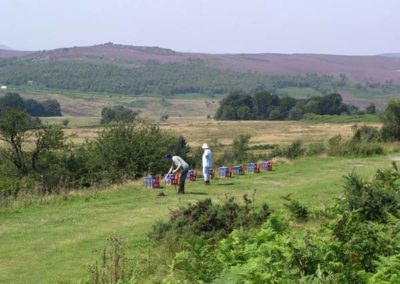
(182, 167)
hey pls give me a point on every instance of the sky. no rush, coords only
(351, 27)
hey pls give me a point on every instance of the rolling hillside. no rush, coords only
(134, 70)
(359, 68)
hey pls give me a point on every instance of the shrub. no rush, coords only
(65, 122)
(387, 271)
(210, 220)
(240, 147)
(117, 114)
(365, 134)
(131, 151)
(294, 150)
(315, 149)
(362, 242)
(353, 148)
(257, 256)
(372, 199)
(298, 210)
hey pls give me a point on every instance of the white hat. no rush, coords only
(205, 146)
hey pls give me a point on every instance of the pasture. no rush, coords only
(86, 104)
(53, 239)
(198, 130)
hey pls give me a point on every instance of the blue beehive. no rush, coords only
(148, 182)
(237, 170)
(222, 171)
(251, 167)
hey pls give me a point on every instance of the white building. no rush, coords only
(3, 87)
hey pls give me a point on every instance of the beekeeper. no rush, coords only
(207, 163)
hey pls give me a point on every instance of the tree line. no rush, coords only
(31, 106)
(153, 78)
(266, 106)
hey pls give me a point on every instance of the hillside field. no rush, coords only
(52, 240)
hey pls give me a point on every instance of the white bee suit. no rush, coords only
(207, 162)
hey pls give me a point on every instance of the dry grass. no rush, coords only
(90, 105)
(198, 131)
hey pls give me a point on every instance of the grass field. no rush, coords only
(52, 240)
(297, 92)
(198, 130)
(84, 104)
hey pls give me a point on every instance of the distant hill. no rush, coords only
(358, 68)
(395, 55)
(6, 52)
(115, 68)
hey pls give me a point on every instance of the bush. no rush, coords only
(293, 151)
(298, 210)
(210, 220)
(387, 271)
(240, 147)
(65, 122)
(363, 242)
(366, 134)
(353, 148)
(132, 151)
(373, 199)
(315, 149)
(117, 114)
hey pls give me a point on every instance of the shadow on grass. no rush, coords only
(196, 193)
(225, 184)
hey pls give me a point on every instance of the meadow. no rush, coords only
(53, 239)
(198, 130)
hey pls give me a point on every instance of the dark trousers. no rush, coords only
(182, 180)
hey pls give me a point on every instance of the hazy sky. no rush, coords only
(212, 26)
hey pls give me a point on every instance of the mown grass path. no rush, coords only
(53, 242)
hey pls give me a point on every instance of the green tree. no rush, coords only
(275, 114)
(370, 109)
(297, 112)
(286, 104)
(331, 104)
(131, 151)
(52, 108)
(312, 105)
(117, 114)
(14, 126)
(262, 103)
(391, 121)
(243, 113)
(34, 108)
(230, 105)
(11, 100)
(47, 139)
